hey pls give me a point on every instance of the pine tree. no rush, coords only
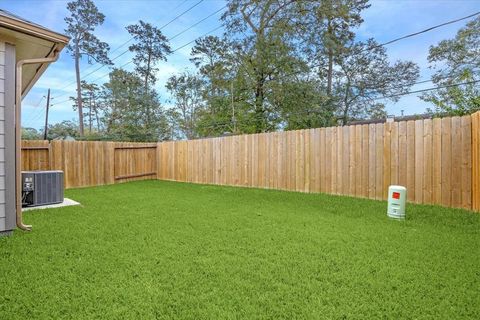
(84, 18)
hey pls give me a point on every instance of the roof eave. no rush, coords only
(36, 31)
(58, 41)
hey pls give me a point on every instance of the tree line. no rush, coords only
(279, 65)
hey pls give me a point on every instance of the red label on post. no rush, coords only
(396, 195)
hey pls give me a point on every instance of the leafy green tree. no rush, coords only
(124, 113)
(215, 60)
(150, 47)
(327, 29)
(351, 74)
(456, 60)
(30, 134)
(186, 89)
(302, 105)
(84, 18)
(213, 57)
(365, 74)
(265, 52)
(62, 130)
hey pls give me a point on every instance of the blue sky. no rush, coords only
(384, 20)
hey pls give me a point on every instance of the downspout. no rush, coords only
(18, 133)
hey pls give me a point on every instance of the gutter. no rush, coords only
(18, 131)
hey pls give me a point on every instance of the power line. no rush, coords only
(404, 37)
(124, 52)
(203, 35)
(428, 89)
(229, 122)
(369, 48)
(219, 124)
(410, 84)
(40, 101)
(375, 98)
(166, 24)
(181, 4)
(169, 39)
(293, 73)
(106, 74)
(34, 117)
(179, 16)
(123, 44)
(35, 111)
(197, 23)
(422, 31)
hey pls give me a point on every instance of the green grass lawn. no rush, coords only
(153, 249)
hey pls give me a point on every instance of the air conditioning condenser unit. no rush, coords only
(42, 187)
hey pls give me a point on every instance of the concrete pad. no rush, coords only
(66, 202)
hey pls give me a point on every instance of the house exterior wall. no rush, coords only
(7, 137)
(2, 138)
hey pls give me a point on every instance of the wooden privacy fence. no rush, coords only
(92, 163)
(437, 160)
(432, 158)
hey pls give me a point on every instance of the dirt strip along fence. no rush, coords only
(438, 160)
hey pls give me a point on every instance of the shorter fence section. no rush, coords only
(88, 163)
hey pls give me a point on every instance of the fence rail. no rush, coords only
(437, 160)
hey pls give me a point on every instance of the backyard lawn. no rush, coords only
(153, 249)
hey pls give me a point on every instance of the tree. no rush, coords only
(218, 69)
(266, 51)
(30, 134)
(454, 61)
(351, 74)
(302, 105)
(62, 130)
(90, 92)
(150, 47)
(213, 56)
(124, 113)
(328, 31)
(364, 75)
(186, 89)
(90, 98)
(84, 18)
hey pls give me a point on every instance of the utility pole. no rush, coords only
(45, 131)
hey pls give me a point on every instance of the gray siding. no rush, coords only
(7, 137)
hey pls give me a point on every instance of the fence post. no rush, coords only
(476, 161)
